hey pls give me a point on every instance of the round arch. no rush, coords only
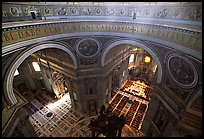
(8, 80)
(138, 44)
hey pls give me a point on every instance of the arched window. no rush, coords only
(36, 66)
(131, 59)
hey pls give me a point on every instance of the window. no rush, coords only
(131, 59)
(16, 72)
(36, 66)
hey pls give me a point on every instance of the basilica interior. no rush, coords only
(102, 69)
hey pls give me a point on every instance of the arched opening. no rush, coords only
(135, 73)
(44, 81)
(135, 44)
(8, 79)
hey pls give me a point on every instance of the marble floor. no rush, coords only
(54, 119)
(57, 118)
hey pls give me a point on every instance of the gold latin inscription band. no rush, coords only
(191, 41)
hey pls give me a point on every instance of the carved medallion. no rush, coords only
(147, 12)
(47, 11)
(87, 11)
(98, 11)
(74, 11)
(61, 11)
(14, 11)
(176, 13)
(110, 11)
(182, 71)
(87, 47)
(162, 12)
(123, 12)
(195, 13)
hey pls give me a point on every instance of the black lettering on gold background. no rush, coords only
(188, 40)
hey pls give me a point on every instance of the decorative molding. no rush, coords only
(47, 11)
(188, 11)
(24, 33)
(15, 11)
(152, 25)
(161, 13)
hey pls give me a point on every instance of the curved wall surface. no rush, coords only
(170, 32)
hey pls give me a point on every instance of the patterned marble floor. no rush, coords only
(54, 119)
(51, 118)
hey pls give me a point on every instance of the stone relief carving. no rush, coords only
(4, 13)
(74, 11)
(188, 12)
(37, 10)
(195, 13)
(47, 11)
(15, 11)
(30, 9)
(176, 12)
(110, 11)
(123, 12)
(90, 86)
(87, 11)
(61, 11)
(147, 12)
(131, 11)
(139, 12)
(98, 11)
(182, 71)
(88, 47)
(162, 12)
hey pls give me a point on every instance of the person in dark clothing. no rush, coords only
(121, 124)
(102, 109)
(112, 126)
(91, 126)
